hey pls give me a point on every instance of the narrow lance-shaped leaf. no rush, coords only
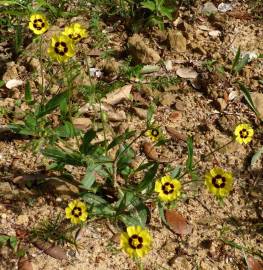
(28, 95)
(53, 103)
(88, 137)
(236, 59)
(148, 180)
(248, 98)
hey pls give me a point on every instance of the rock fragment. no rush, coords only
(141, 52)
(177, 41)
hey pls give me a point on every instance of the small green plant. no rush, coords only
(239, 62)
(159, 12)
(54, 230)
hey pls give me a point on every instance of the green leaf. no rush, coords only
(98, 206)
(126, 156)
(53, 104)
(18, 38)
(28, 95)
(121, 138)
(147, 183)
(176, 172)
(256, 156)
(150, 113)
(89, 177)
(140, 212)
(2, 83)
(93, 199)
(248, 99)
(125, 200)
(149, 5)
(104, 210)
(167, 12)
(67, 130)
(189, 162)
(88, 137)
(129, 220)
(236, 59)
(144, 166)
(62, 156)
(241, 63)
(161, 213)
(3, 239)
(13, 242)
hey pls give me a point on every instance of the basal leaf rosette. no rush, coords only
(136, 242)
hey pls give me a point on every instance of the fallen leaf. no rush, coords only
(24, 264)
(254, 264)
(13, 83)
(140, 112)
(175, 135)
(53, 251)
(150, 151)
(177, 222)
(118, 95)
(82, 123)
(175, 116)
(187, 73)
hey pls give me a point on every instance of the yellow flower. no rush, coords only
(75, 32)
(168, 188)
(244, 133)
(219, 182)
(76, 212)
(136, 242)
(154, 134)
(38, 23)
(61, 48)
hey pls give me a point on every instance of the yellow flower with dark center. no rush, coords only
(61, 48)
(136, 242)
(38, 23)
(244, 133)
(219, 182)
(76, 212)
(75, 32)
(169, 189)
(154, 134)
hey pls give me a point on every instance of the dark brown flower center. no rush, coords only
(219, 181)
(74, 36)
(38, 24)
(155, 132)
(167, 188)
(61, 48)
(135, 241)
(243, 133)
(76, 212)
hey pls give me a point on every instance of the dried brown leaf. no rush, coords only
(118, 95)
(177, 222)
(150, 151)
(24, 264)
(254, 264)
(176, 135)
(53, 251)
